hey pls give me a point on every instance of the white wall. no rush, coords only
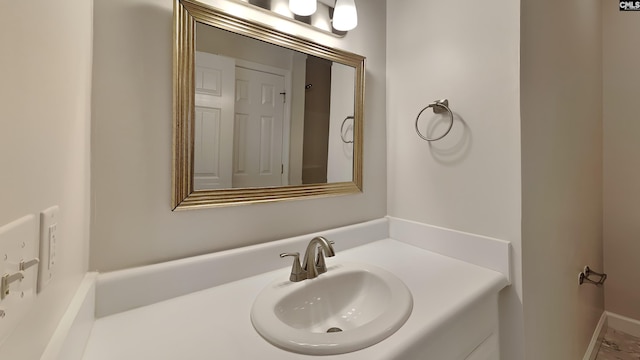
(561, 98)
(340, 164)
(45, 92)
(468, 52)
(131, 147)
(621, 56)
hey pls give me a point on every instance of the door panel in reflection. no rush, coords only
(213, 143)
(258, 133)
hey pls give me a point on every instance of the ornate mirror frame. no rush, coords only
(186, 14)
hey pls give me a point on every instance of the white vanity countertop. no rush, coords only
(215, 323)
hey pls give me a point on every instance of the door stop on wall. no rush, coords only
(584, 276)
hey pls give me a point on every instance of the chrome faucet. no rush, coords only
(314, 263)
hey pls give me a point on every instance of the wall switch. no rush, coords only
(18, 272)
(48, 244)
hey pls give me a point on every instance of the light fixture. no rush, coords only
(345, 16)
(303, 7)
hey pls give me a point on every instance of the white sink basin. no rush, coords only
(359, 304)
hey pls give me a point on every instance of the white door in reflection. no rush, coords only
(258, 129)
(239, 123)
(213, 145)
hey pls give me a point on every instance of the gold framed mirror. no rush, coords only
(204, 118)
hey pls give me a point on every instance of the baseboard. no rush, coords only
(624, 324)
(596, 339)
(71, 335)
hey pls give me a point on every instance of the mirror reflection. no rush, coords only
(260, 115)
(269, 116)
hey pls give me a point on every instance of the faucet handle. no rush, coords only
(297, 273)
(321, 266)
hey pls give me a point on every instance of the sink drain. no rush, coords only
(334, 329)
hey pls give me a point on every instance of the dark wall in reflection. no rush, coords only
(317, 107)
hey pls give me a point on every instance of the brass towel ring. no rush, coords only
(342, 134)
(439, 107)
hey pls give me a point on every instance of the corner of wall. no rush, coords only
(46, 110)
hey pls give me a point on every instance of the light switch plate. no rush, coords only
(48, 244)
(18, 242)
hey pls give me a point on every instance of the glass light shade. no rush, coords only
(303, 7)
(345, 16)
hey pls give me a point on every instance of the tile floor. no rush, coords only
(619, 346)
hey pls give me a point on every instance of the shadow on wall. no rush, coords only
(452, 149)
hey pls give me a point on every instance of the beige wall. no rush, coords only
(131, 148)
(468, 52)
(220, 42)
(561, 99)
(45, 92)
(621, 59)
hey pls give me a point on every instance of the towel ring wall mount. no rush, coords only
(439, 107)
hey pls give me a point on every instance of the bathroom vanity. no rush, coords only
(199, 308)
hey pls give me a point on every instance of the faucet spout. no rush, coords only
(309, 257)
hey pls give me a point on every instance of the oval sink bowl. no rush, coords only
(348, 308)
